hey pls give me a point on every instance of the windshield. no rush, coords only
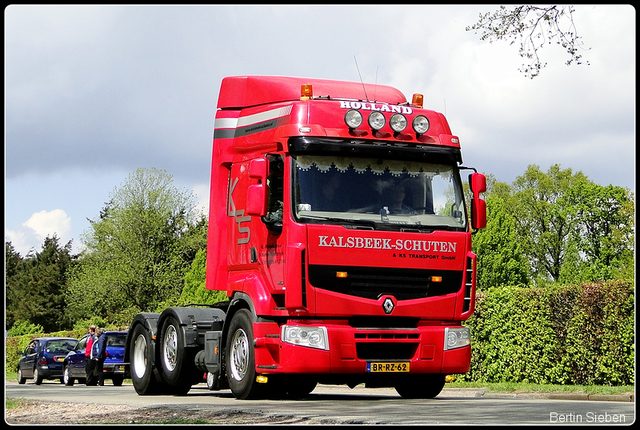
(382, 194)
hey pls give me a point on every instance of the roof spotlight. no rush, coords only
(420, 124)
(376, 120)
(398, 122)
(353, 118)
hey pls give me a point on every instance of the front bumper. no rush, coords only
(352, 351)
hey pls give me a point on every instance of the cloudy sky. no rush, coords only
(92, 93)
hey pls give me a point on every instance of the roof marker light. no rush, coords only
(417, 100)
(306, 91)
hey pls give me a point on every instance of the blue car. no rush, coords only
(114, 365)
(44, 358)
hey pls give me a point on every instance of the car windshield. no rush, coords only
(383, 194)
(60, 346)
(116, 339)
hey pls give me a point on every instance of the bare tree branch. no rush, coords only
(533, 27)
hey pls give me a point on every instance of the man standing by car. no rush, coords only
(99, 352)
(89, 364)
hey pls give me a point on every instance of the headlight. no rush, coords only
(398, 122)
(353, 118)
(376, 120)
(312, 337)
(456, 337)
(420, 124)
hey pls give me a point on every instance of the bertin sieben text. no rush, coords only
(381, 243)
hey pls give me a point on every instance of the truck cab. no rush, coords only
(339, 229)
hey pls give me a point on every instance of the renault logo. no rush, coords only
(388, 306)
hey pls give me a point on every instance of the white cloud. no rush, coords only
(38, 227)
(45, 223)
(201, 192)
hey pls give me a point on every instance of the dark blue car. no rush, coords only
(114, 365)
(44, 359)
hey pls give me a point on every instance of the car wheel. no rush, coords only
(21, 379)
(240, 357)
(37, 379)
(211, 381)
(67, 379)
(141, 370)
(117, 380)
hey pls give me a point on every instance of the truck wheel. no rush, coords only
(178, 365)
(67, 379)
(421, 387)
(140, 356)
(240, 357)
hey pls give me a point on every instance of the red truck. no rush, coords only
(339, 230)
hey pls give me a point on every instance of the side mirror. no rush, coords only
(478, 213)
(257, 194)
(478, 183)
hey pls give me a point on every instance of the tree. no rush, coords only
(544, 217)
(139, 249)
(501, 261)
(194, 291)
(605, 217)
(36, 285)
(534, 27)
(568, 229)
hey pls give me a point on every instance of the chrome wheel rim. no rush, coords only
(170, 348)
(239, 355)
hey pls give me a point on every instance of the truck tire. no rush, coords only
(140, 357)
(177, 362)
(421, 387)
(240, 357)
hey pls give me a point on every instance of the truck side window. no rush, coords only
(275, 181)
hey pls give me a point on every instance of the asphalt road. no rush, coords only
(359, 405)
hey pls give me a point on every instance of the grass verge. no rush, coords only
(521, 387)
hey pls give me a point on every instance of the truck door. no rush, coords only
(239, 223)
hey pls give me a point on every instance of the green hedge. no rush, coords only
(555, 335)
(574, 335)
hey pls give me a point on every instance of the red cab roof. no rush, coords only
(244, 91)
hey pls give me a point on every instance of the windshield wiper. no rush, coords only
(343, 221)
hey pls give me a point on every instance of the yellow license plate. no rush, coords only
(59, 358)
(387, 367)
